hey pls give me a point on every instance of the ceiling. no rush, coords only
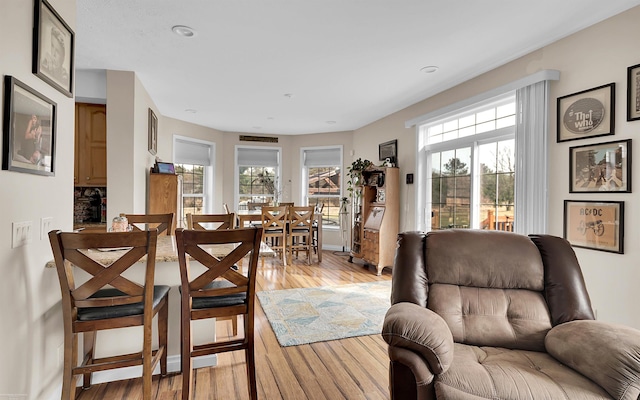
(312, 66)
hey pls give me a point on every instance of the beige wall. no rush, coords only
(31, 328)
(595, 56)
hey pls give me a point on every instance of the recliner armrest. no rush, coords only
(421, 330)
(608, 354)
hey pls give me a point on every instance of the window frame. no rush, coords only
(305, 197)
(236, 174)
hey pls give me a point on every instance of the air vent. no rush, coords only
(265, 139)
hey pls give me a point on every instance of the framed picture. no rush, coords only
(601, 167)
(586, 114)
(595, 225)
(153, 133)
(633, 93)
(28, 142)
(53, 42)
(388, 150)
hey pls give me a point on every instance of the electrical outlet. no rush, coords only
(45, 226)
(21, 233)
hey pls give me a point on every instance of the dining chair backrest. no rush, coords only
(161, 222)
(226, 208)
(274, 218)
(299, 230)
(203, 222)
(217, 290)
(286, 204)
(318, 208)
(108, 300)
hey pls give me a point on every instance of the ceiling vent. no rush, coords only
(264, 139)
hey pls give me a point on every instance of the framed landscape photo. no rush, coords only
(596, 225)
(53, 42)
(586, 114)
(633, 93)
(601, 167)
(29, 128)
(388, 150)
(153, 133)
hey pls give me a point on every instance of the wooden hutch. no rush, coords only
(375, 224)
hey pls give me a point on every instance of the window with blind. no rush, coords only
(322, 180)
(257, 175)
(194, 162)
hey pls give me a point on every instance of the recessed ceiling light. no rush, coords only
(190, 111)
(288, 95)
(331, 122)
(429, 69)
(183, 31)
(270, 118)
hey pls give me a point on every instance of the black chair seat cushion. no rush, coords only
(298, 230)
(96, 313)
(218, 301)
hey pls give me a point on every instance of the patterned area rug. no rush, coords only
(308, 315)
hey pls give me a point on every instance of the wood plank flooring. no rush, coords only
(353, 368)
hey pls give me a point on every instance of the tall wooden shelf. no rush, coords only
(165, 196)
(376, 209)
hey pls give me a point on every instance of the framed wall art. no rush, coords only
(53, 42)
(29, 129)
(633, 93)
(586, 114)
(601, 167)
(596, 225)
(153, 133)
(388, 150)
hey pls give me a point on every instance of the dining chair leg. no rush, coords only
(88, 349)
(186, 349)
(251, 372)
(163, 318)
(146, 361)
(70, 360)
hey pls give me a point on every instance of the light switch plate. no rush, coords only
(45, 226)
(21, 233)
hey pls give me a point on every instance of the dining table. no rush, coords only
(246, 217)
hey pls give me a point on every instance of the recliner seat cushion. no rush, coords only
(498, 373)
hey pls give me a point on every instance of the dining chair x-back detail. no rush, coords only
(274, 228)
(300, 230)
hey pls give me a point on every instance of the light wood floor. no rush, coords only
(354, 368)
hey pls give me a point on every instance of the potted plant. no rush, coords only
(354, 172)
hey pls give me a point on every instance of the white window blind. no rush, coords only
(323, 157)
(257, 157)
(193, 153)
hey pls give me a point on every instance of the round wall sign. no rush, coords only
(584, 115)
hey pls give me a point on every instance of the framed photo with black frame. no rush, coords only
(388, 150)
(29, 130)
(600, 167)
(53, 47)
(596, 225)
(633, 93)
(586, 114)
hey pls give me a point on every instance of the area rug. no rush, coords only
(309, 315)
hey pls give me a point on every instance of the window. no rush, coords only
(194, 162)
(471, 158)
(322, 179)
(258, 173)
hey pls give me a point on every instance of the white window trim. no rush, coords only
(304, 179)
(236, 173)
(538, 216)
(209, 171)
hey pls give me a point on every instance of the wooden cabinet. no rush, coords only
(376, 208)
(165, 196)
(90, 167)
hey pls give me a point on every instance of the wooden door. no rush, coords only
(91, 145)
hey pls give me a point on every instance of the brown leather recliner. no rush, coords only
(497, 315)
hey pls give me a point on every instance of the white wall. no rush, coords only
(31, 329)
(595, 56)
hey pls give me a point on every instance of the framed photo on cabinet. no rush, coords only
(633, 93)
(596, 225)
(586, 114)
(29, 129)
(600, 167)
(153, 133)
(53, 42)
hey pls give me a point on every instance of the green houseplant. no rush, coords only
(354, 173)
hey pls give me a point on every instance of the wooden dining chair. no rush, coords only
(317, 211)
(203, 222)
(286, 204)
(274, 229)
(108, 300)
(218, 291)
(161, 222)
(299, 230)
(226, 208)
